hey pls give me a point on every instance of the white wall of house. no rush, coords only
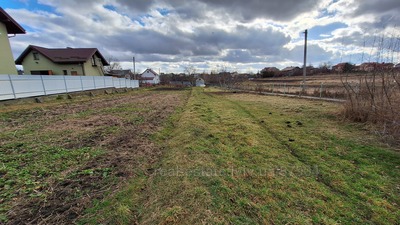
(7, 64)
(149, 74)
(200, 82)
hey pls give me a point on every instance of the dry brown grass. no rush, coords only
(375, 99)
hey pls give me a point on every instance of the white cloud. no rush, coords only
(242, 35)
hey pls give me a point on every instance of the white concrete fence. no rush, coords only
(22, 86)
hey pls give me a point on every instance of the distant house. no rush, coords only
(200, 82)
(7, 26)
(127, 74)
(149, 77)
(269, 72)
(374, 66)
(62, 61)
(291, 71)
(343, 67)
(368, 67)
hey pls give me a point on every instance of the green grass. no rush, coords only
(233, 159)
(46, 149)
(239, 159)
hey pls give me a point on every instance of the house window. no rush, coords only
(36, 55)
(41, 72)
(74, 73)
(94, 61)
(65, 72)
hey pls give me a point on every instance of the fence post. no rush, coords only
(94, 83)
(12, 86)
(65, 83)
(44, 88)
(81, 82)
(320, 90)
(104, 78)
(284, 88)
(301, 88)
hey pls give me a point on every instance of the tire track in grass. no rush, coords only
(293, 151)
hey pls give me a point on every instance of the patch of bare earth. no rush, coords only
(127, 151)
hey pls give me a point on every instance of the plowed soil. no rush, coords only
(118, 126)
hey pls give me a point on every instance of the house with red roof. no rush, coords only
(8, 26)
(62, 61)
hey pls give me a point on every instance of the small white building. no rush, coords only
(200, 82)
(150, 77)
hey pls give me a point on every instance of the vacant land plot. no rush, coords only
(58, 158)
(222, 158)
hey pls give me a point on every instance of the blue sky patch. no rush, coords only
(316, 32)
(110, 7)
(164, 12)
(32, 5)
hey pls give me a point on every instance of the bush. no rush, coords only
(375, 99)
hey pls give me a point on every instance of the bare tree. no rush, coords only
(114, 65)
(189, 70)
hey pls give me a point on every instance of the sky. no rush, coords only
(213, 35)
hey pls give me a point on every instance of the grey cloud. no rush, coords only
(387, 12)
(266, 41)
(203, 42)
(137, 6)
(374, 6)
(240, 56)
(159, 58)
(146, 42)
(277, 10)
(315, 54)
(245, 10)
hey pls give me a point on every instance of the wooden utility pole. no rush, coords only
(305, 60)
(134, 68)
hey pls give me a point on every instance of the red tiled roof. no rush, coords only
(12, 26)
(63, 55)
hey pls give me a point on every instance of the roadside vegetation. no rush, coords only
(200, 156)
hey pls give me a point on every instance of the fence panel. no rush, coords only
(6, 89)
(25, 86)
(21, 86)
(87, 83)
(53, 84)
(73, 83)
(109, 82)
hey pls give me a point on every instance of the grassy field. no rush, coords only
(326, 85)
(60, 157)
(203, 157)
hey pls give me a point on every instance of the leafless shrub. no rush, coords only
(375, 99)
